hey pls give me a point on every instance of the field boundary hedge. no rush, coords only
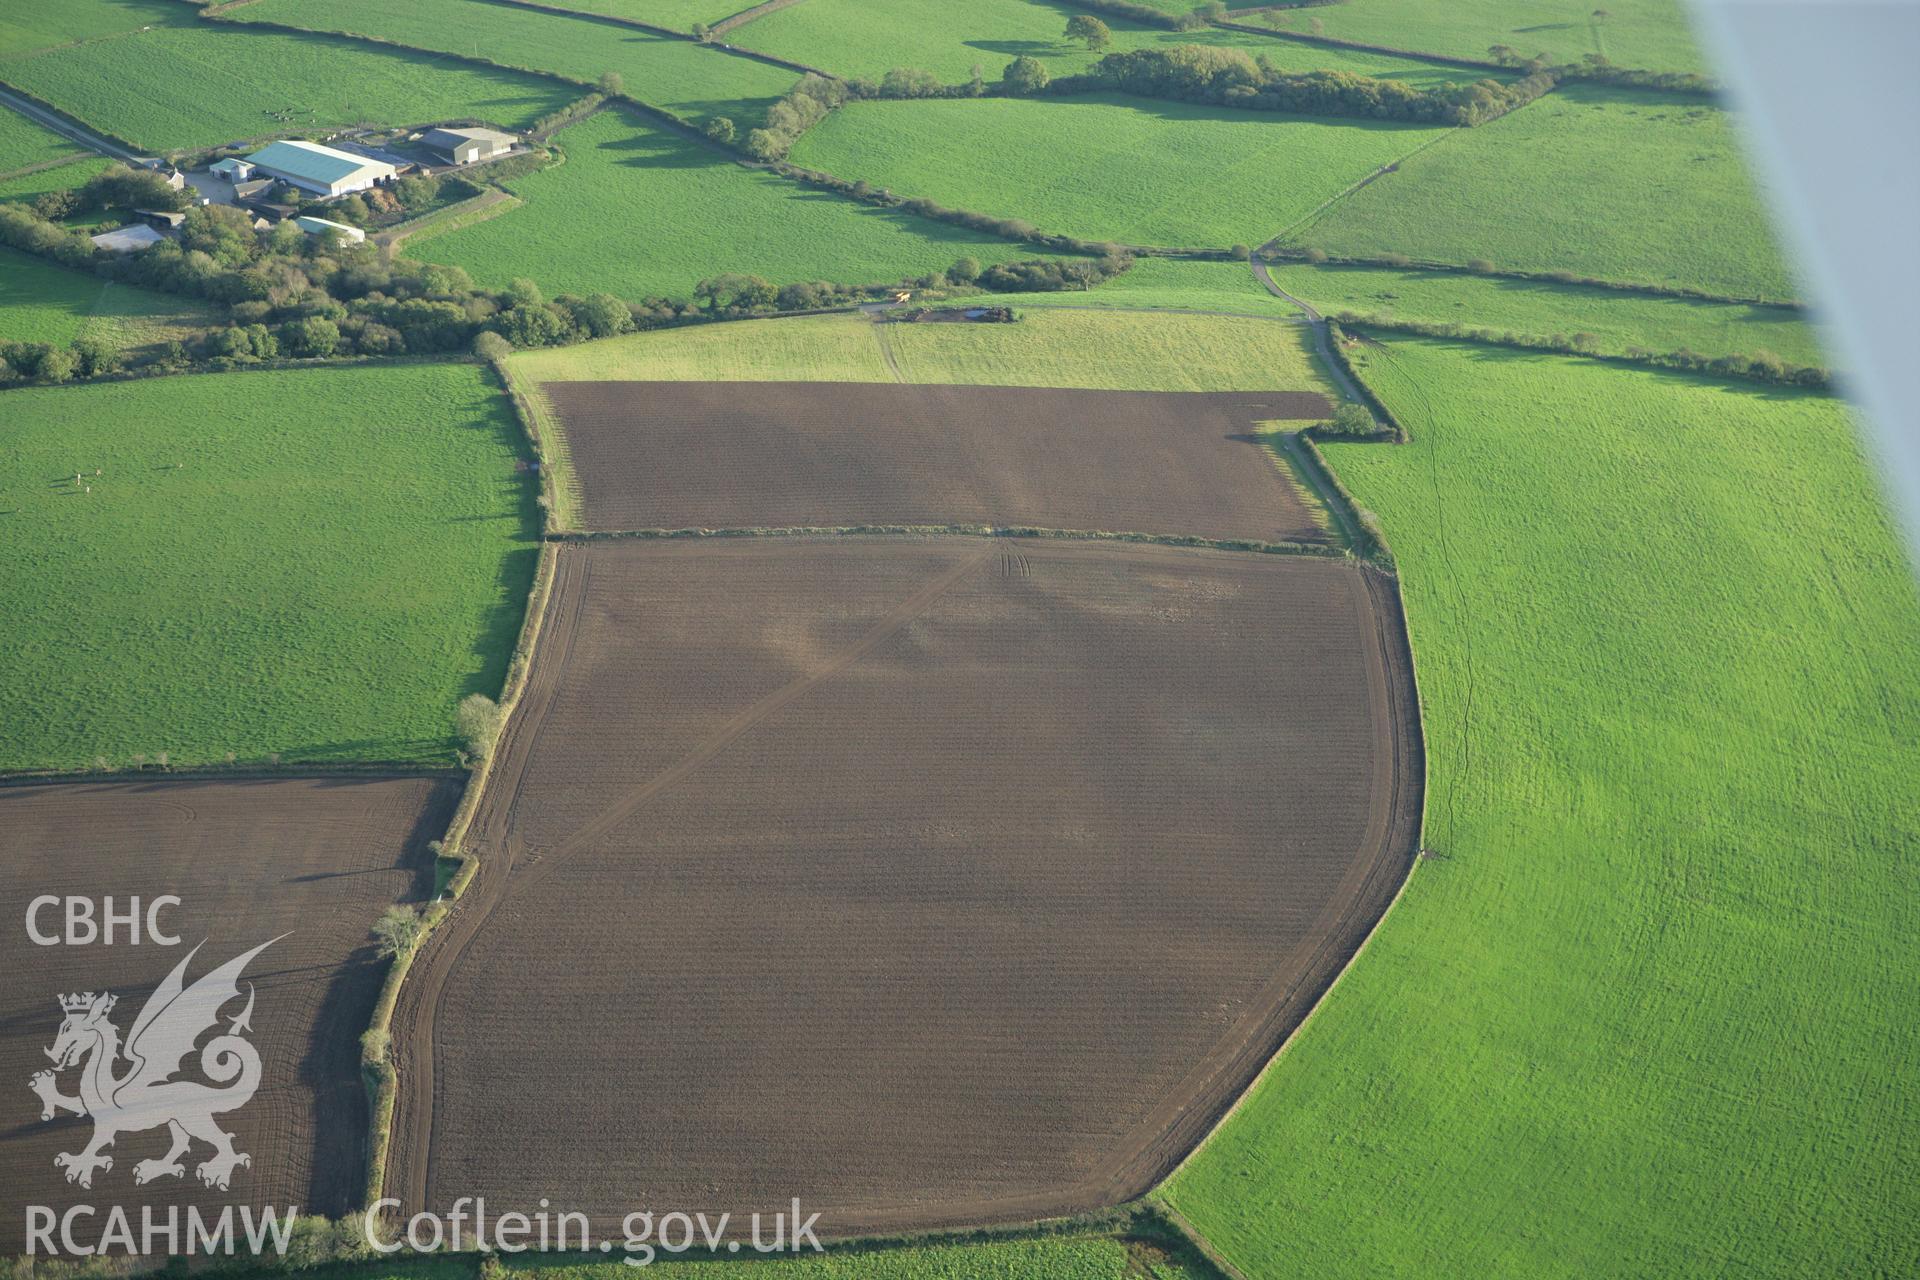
(1370, 540)
(637, 24)
(376, 1063)
(1590, 72)
(957, 531)
(250, 772)
(1337, 345)
(1336, 42)
(1230, 79)
(1742, 365)
(481, 60)
(492, 202)
(1273, 252)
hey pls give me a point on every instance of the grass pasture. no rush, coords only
(1666, 640)
(24, 143)
(27, 187)
(675, 74)
(857, 38)
(43, 302)
(1219, 177)
(1639, 187)
(177, 87)
(1650, 34)
(1619, 320)
(314, 562)
(25, 27)
(1108, 351)
(1044, 1258)
(680, 15)
(577, 230)
(1184, 284)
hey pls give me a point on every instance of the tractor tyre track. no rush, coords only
(497, 846)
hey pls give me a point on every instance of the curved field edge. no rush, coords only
(1671, 812)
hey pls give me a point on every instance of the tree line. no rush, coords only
(1233, 78)
(1757, 366)
(288, 295)
(1147, 15)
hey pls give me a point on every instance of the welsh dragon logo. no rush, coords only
(145, 1095)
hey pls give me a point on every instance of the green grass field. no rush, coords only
(1650, 34)
(680, 15)
(43, 302)
(1180, 283)
(23, 143)
(62, 177)
(315, 562)
(212, 83)
(1218, 178)
(858, 38)
(27, 26)
(1644, 1013)
(676, 74)
(1619, 320)
(1106, 350)
(1644, 188)
(639, 211)
(1062, 1258)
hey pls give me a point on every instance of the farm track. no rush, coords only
(72, 130)
(1322, 336)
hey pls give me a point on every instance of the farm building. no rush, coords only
(161, 219)
(465, 146)
(321, 170)
(320, 226)
(128, 239)
(233, 169)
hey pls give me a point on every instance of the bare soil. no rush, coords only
(931, 881)
(318, 859)
(716, 455)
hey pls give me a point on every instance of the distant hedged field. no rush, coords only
(316, 507)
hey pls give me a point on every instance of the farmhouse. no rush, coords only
(128, 239)
(320, 226)
(465, 146)
(321, 170)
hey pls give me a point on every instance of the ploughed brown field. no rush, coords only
(317, 859)
(931, 881)
(724, 455)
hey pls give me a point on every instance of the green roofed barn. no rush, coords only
(321, 170)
